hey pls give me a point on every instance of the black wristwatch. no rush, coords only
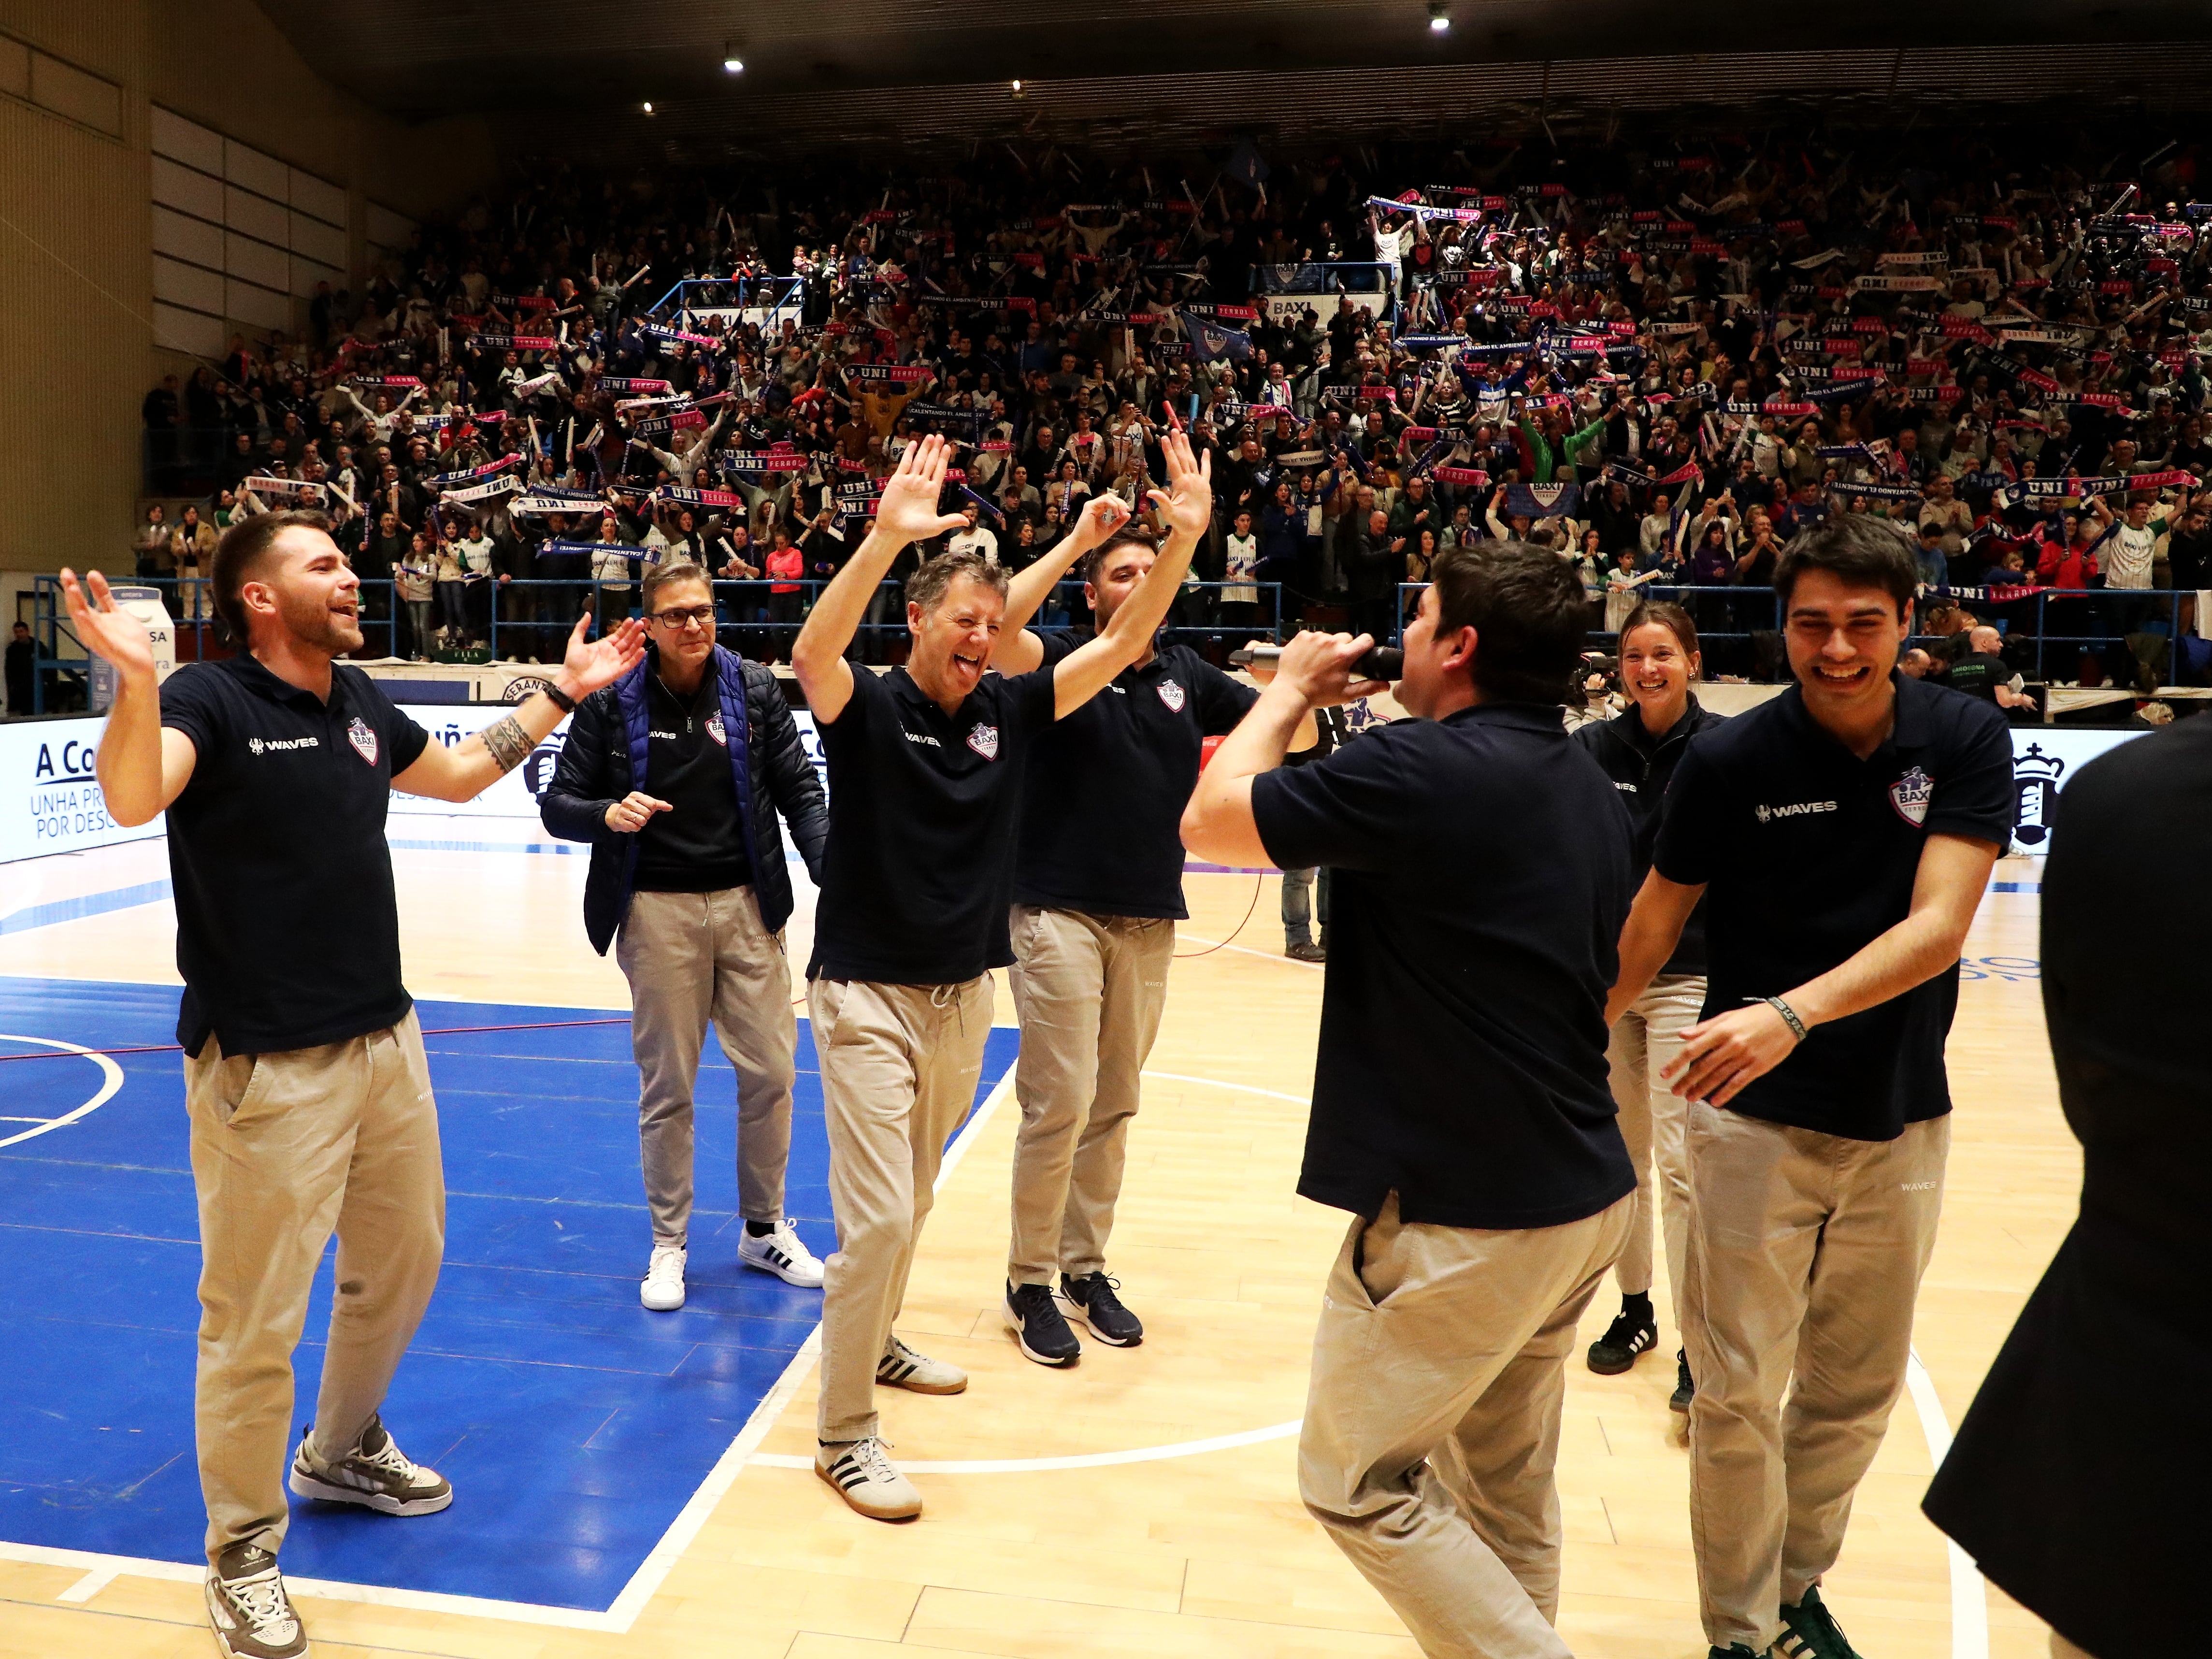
(562, 700)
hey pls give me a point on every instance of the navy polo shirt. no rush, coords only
(918, 871)
(288, 930)
(1483, 872)
(1807, 854)
(1103, 814)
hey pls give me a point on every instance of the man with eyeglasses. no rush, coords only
(675, 775)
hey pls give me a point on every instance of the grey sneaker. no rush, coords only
(900, 1367)
(864, 1478)
(375, 1474)
(247, 1604)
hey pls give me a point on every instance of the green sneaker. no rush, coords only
(1810, 1630)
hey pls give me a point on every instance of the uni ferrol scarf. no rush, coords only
(470, 475)
(764, 460)
(889, 373)
(539, 502)
(490, 490)
(631, 383)
(2108, 484)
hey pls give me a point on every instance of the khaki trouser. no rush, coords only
(692, 958)
(1432, 1423)
(286, 1148)
(1089, 990)
(1806, 1252)
(1646, 1039)
(899, 1065)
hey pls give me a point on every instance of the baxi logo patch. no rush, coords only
(363, 739)
(715, 729)
(1911, 794)
(984, 740)
(1172, 695)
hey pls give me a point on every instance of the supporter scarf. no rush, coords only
(1688, 472)
(665, 336)
(2056, 336)
(525, 303)
(1629, 476)
(468, 475)
(516, 342)
(1219, 313)
(1431, 342)
(2111, 484)
(1302, 458)
(943, 414)
(714, 498)
(1880, 492)
(296, 488)
(385, 382)
(1896, 284)
(889, 373)
(1813, 262)
(561, 544)
(664, 425)
(489, 491)
(1916, 260)
(540, 503)
(532, 388)
(623, 383)
(1473, 477)
(1771, 406)
(858, 492)
(631, 406)
(1541, 501)
(764, 460)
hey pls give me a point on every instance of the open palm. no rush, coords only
(105, 629)
(594, 663)
(907, 510)
(1188, 502)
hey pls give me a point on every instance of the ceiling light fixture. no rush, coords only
(731, 63)
(1017, 88)
(648, 107)
(1439, 20)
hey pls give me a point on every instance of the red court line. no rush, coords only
(437, 1030)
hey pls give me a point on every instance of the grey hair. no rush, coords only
(926, 586)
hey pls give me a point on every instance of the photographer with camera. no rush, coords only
(1460, 1105)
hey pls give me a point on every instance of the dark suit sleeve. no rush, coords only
(792, 782)
(574, 804)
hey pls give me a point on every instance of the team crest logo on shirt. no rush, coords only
(984, 740)
(1172, 695)
(715, 731)
(1911, 794)
(363, 736)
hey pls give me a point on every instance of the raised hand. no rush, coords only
(1188, 502)
(907, 511)
(1101, 516)
(591, 664)
(113, 634)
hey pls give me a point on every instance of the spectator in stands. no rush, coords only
(22, 657)
(152, 547)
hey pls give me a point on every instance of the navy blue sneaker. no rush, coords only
(1092, 1299)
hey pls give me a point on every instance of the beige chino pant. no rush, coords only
(899, 1065)
(288, 1148)
(693, 959)
(1806, 1252)
(1089, 991)
(1432, 1421)
(1646, 1039)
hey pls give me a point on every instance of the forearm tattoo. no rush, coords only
(507, 742)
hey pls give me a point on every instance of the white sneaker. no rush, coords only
(900, 1367)
(252, 1615)
(864, 1478)
(781, 1253)
(663, 1289)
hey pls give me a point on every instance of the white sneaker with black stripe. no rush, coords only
(248, 1605)
(375, 1473)
(900, 1367)
(783, 1253)
(863, 1476)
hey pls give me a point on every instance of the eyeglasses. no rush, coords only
(683, 616)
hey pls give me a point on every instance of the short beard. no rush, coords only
(311, 624)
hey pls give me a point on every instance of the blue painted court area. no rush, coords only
(574, 1425)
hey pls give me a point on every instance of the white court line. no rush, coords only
(100, 1570)
(1081, 1461)
(1247, 950)
(1969, 1605)
(111, 1073)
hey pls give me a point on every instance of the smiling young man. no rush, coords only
(926, 767)
(1460, 1104)
(305, 1077)
(1841, 836)
(1097, 893)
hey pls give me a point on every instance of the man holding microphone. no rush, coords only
(1461, 1109)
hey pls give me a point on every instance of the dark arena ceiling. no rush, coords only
(572, 76)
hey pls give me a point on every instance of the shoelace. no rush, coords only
(261, 1598)
(389, 1458)
(868, 1455)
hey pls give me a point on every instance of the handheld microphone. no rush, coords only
(1381, 662)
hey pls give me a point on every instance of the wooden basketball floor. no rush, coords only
(1178, 1551)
